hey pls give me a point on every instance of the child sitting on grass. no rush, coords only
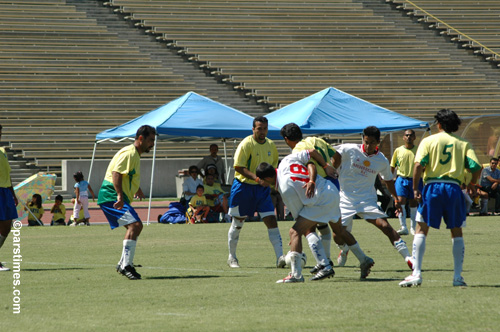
(59, 212)
(198, 208)
(36, 210)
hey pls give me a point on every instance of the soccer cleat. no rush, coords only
(459, 282)
(281, 262)
(318, 267)
(130, 272)
(366, 266)
(403, 231)
(412, 231)
(342, 258)
(411, 280)
(233, 262)
(411, 262)
(3, 267)
(324, 273)
(290, 279)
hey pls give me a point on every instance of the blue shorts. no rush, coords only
(250, 198)
(8, 206)
(116, 218)
(443, 200)
(404, 187)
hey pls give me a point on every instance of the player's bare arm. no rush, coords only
(246, 173)
(117, 183)
(417, 175)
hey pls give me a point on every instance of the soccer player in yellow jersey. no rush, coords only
(445, 157)
(403, 159)
(249, 194)
(121, 184)
(8, 199)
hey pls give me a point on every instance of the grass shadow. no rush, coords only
(180, 277)
(55, 269)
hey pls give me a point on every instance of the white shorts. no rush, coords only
(365, 210)
(323, 209)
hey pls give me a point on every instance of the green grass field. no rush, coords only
(68, 283)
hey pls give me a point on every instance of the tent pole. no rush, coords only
(152, 180)
(225, 161)
(92, 161)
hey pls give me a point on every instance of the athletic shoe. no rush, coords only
(412, 231)
(459, 282)
(324, 273)
(366, 266)
(281, 263)
(130, 272)
(318, 267)
(3, 267)
(403, 231)
(290, 279)
(233, 262)
(410, 261)
(342, 258)
(411, 280)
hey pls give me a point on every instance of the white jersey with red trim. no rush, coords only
(358, 172)
(292, 175)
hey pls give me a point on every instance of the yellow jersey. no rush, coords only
(320, 145)
(251, 153)
(404, 159)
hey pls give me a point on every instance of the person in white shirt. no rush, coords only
(191, 183)
(360, 164)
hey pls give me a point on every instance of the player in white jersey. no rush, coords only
(312, 200)
(360, 164)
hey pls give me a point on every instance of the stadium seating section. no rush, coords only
(66, 76)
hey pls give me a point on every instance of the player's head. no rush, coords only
(78, 176)
(371, 139)
(58, 199)
(291, 133)
(448, 120)
(409, 136)
(145, 139)
(259, 129)
(266, 172)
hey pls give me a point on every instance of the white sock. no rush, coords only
(2, 240)
(458, 256)
(296, 264)
(275, 238)
(317, 249)
(418, 253)
(401, 247)
(344, 248)
(233, 235)
(413, 215)
(128, 253)
(402, 216)
(326, 239)
(358, 252)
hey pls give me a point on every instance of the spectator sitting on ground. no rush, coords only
(490, 179)
(214, 159)
(191, 183)
(59, 212)
(216, 197)
(198, 208)
(36, 210)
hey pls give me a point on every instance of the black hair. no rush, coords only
(292, 132)
(493, 159)
(260, 118)
(265, 170)
(38, 200)
(410, 130)
(212, 145)
(78, 176)
(200, 186)
(194, 167)
(372, 131)
(448, 119)
(145, 131)
(59, 198)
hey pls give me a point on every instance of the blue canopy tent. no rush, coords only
(190, 115)
(332, 111)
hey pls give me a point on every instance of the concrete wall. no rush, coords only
(167, 182)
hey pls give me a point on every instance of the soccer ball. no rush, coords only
(288, 259)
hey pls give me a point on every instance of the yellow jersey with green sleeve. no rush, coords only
(404, 159)
(320, 145)
(445, 158)
(4, 170)
(127, 162)
(251, 153)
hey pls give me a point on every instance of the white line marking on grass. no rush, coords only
(172, 314)
(144, 267)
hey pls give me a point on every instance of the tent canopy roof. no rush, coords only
(332, 111)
